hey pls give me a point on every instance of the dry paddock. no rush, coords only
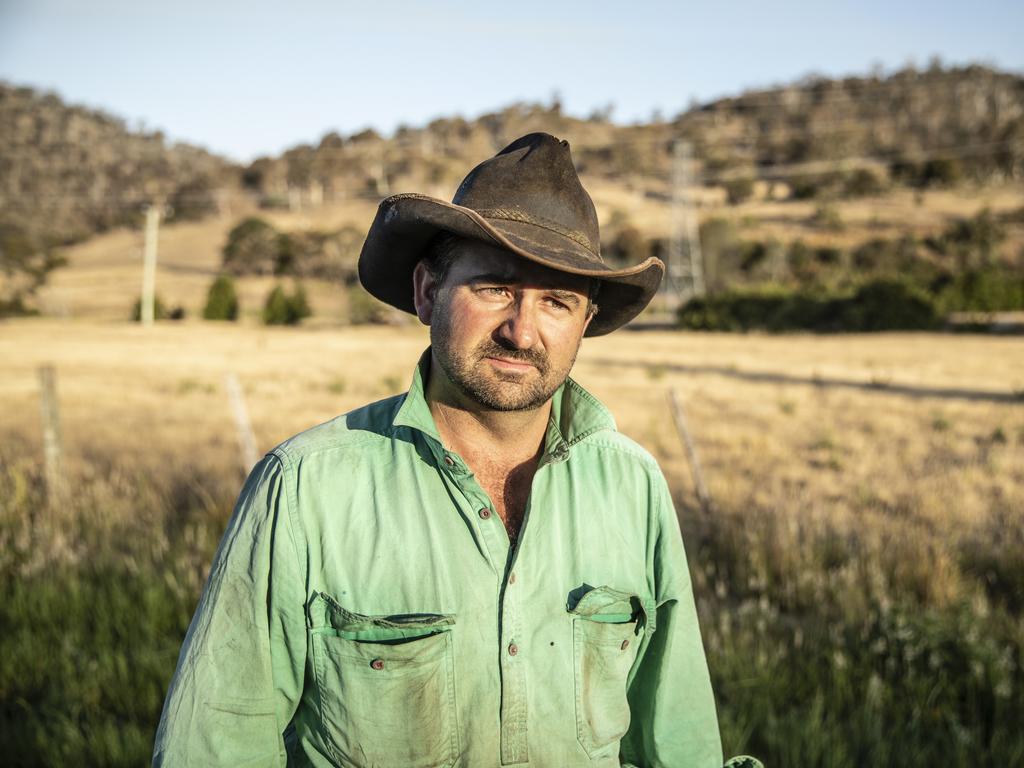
(928, 424)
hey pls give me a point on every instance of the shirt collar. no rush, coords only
(414, 411)
(575, 413)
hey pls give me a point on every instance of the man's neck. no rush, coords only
(471, 430)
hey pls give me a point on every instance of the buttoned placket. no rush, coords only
(502, 556)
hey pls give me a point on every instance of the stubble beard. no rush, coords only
(492, 388)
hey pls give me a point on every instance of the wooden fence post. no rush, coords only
(52, 447)
(246, 438)
(676, 406)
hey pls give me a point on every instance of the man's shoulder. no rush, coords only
(613, 445)
(354, 429)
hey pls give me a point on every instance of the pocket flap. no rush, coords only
(329, 617)
(613, 606)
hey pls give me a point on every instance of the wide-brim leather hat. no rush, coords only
(526, 199)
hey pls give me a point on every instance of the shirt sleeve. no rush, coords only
(673, 719)
(240, 672)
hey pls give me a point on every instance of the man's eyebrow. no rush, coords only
(567, 296)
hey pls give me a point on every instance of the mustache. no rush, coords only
(534, 357)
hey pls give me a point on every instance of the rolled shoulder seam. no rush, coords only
(290, 494)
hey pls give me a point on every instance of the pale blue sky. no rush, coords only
(246, 78)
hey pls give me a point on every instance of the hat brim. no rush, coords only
(405, 224)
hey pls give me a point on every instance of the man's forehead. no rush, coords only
(477, 260)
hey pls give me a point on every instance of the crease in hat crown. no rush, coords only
(526, 199)
(533, 173)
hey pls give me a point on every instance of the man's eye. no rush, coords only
(557, 304)
(493, 290)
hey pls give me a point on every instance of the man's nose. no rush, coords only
(520, 326)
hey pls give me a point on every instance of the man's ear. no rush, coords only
(590, 316)
(424, 288)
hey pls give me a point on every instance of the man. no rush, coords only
(480, 572)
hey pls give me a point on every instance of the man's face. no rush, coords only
(505, 330)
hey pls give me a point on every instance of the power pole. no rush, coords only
(146, 309)
(685, 268)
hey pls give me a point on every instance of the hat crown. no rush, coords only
(529, 201)
(533, 180)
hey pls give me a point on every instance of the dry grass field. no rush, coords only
(829, 417)
(860, 577)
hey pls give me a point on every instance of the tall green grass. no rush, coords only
(97, 592)
(839, 648)
(829, 646)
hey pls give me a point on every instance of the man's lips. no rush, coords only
(510, 365)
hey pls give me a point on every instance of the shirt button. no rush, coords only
(513, 649)
(625, 644)
(484, 513)
(511, 578)
(377, 664)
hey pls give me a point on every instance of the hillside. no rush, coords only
(816, 185)
(931, 128)
(68, 172)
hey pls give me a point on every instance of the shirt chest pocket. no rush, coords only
(386, 688)
(608, 626)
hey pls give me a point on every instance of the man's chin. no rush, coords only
(508, 394)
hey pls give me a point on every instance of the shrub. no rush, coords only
(828, 255)
(25, 264)
(983, 290)
(628, 247)
(937, 172)
(799, 257)
(905, 171)
(940, 171)
(813, 186)
(739, 190)
(300, 303)
(973, 241)
(284, 309)
(872, 254)
(884, 305)
(324, 255)
(193, 200)
(876, 306)
(827, 217)
(221, 300)
(276, 310)
(862, 183)
(364, 309)
(754, 255)
(160, 310)
(253, 248)
(768, 308)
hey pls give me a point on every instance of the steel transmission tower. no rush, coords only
(684, 277)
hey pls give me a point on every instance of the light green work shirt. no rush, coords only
(365, 608)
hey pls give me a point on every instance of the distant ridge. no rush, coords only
(968, 122)
(68, 172)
